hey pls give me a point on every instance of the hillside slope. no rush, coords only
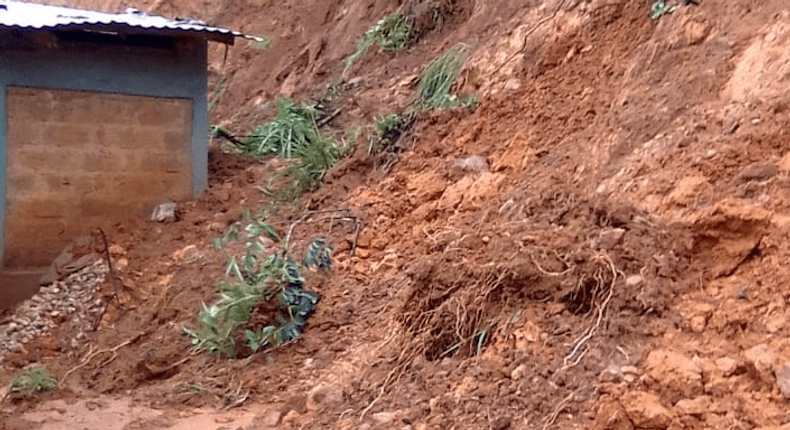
(616, 262)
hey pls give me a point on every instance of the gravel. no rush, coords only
(69, 304)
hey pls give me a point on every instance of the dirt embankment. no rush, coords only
(610, 257)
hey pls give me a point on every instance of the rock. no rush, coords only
(518, 372)
(726, 365)
(775, 323)
(609, 238)
(759, 171)
(634, 281)
(699, 406)
(646, 411)
(611, 416)
(611, 374)
(270, 418)
(290, 418)
(383, 418)
(116, 250)
(324, 395)
(673, 372)
(783, 380)
(761, 357)
(697, 324)
(165, 212)
(470, 164)
(630, 370)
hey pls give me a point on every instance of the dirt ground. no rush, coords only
(616, 263)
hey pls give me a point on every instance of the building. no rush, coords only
(102, 116)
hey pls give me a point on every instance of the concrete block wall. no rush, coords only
(76, 160)
(112, 120)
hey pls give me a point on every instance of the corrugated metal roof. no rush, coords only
(15, 14)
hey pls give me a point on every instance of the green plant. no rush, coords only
(311, 163)
(257, 276)
(387, 128)
(292, 127)
(391, 33)
(34, 380)
(660, 8)
(263, 43)
(436, 80)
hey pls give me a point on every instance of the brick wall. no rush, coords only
(78, 160)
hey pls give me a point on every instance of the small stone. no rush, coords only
(268, 419)
(726, 365)
(629, 378)
(631, 370)
(518, 372)
(709, 154)
(646, 411)
(611, 374)
(610, 238)
(697, 324)
(165, 212)
(290, 418)
(383, 418)
(759, 171)
(634, 281)
(116, 250)
(775, 323)
(699, 406)
(783, 380)
(761, 357)
(12, 326)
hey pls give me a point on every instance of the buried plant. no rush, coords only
(34, 380)
(293, 134)
(391, 34)
(436, 81)
(259, 275)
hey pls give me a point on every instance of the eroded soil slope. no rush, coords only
(598, 244)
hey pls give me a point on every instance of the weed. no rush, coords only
(387, 129)
(262, 44)
(292, 127)
(391, 33)
(436, 80)
(311, 163)
(34, 380)
(257, 276)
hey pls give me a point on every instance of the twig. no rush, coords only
(356, 237)
(558, 410)
(325, 120)
(527, 34)
(113, 277)
(546, 272)
(91, 356)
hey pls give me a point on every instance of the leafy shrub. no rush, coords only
(257, 276)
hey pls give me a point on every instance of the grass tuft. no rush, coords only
(436, 80)
(34, 380)
(392, 33)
